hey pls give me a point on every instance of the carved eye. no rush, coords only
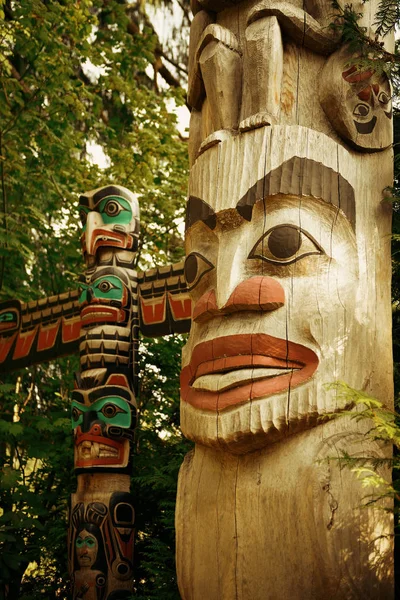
(90, 542)
(8, 316)
(112, 208)
(195, 267)
(110, 410)
(75, 414)
(104, 286)
(361, 110)
(383, 98)
(285, 244)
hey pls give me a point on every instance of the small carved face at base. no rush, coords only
(103, 421)
(86, 549)
(110, 219)
(105, 297)
(273, 278)
(358, 102)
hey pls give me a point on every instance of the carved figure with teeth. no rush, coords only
(105, 297)
(103, 408)
(103, 419)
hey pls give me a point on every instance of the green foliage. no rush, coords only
(384, 428)
(160, 449)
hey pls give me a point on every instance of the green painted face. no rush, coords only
(110, 410)
(88, 541)
(7, 317)
(114, 210)
(104, 288)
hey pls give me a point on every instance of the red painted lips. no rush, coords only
(105, 452)
(105, 237)
(95, 313)
(234, 352)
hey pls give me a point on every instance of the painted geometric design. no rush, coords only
(45, 329)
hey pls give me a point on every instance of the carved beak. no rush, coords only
(94, 222)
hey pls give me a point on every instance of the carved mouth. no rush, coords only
(85, 559)
(93, 450)
(6, 326)
(105, 237)
(235, 369)
(88, 450)
(95, 314)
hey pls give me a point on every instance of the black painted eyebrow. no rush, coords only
(198, 210)
(110, 190)
(302, 177)
(84, 201)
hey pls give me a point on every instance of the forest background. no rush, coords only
(79, 78)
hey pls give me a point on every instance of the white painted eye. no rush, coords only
(285, 244)
(196, 266)
(112, 208)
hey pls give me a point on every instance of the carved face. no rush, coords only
(9, 317)
(105, 297)
(102, 420)
(272, 280)
(109, 218)
(358, 102)
(86, 549)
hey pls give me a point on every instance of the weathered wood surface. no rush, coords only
(288, 268)
(276, 524)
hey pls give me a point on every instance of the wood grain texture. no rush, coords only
(280, 71)
(288, 255)
(283, 522)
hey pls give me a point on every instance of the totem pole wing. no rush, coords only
(38, 331)
(164, 303)
(45, 329)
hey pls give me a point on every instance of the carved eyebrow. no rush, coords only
(111, 190)
(302, 177)
(198, 210)
(84, 201)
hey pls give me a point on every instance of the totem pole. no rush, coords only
(103, 405)
(101, 320)
(288, 269)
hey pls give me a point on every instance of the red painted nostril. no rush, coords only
(96, 430)
(206, 307)
(256, 293)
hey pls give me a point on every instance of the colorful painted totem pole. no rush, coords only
(288, 268)
(101, 320)
(103, 405)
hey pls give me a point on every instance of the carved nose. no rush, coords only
(257, 293)
(94, 221)
(88, 425)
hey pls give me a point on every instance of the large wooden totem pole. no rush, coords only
(288, 268)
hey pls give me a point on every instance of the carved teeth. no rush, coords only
(90, 450)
